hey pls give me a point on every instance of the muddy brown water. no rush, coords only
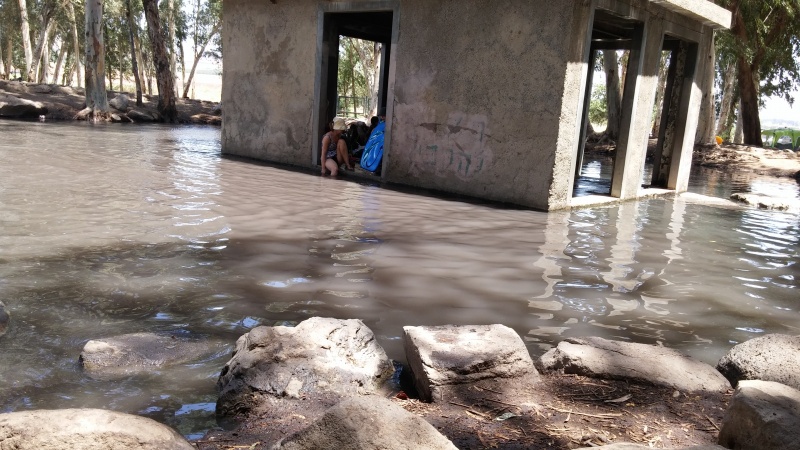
(106, 230)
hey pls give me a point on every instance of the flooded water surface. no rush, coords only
(106, 230)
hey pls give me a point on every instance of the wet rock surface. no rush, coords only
(767, 202)
(5, 318)
(320, 359)
(66, 103)
(130, 354)
(444, 358)
(602, 358)
(774, 357)
(367, 423)
(629, 446)
(763, 415)
(19, 108)
(85, 429)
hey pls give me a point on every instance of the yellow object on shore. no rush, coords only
(719, 140)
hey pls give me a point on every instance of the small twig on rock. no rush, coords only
(597, 416)
(502, 403)
(712, 423)
(487, 389)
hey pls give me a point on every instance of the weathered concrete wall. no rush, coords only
(268, 80)
(477, 97)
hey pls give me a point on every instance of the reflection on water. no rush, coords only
(111, 230)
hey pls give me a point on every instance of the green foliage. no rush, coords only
(598, 113)
(771, 45)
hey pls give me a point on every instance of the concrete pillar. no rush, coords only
(569, 132)
(637, 103)
(688, 116)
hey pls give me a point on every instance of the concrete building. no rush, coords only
(485, 99)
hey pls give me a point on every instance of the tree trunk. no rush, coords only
(747, 74)
(41, 45)
(26, 37)
(76, 46)
(139, 57)
(726, 104)
(9, 57)
(62, 50)
(660, 90)
(96, 97)
(134, 63)
(705, 134)
(2, 59)
(738, 133)
(171, 27)
(197, 60)
(613, 95)
(164, 80)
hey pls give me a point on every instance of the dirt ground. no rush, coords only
(561, 412)
(64, 102)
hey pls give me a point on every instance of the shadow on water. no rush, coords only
(152, 230)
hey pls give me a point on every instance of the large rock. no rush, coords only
(602, 358)
(130, 354)
(767, 202)
(4, 319)
(773, 357)
(85, 429)
(120, 102)
(447, 356)
(141, 116)
(367, 423)
(762, 415)
(11, 106)
(319, 358)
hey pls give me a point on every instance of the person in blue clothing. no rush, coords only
(373, 151)
(333, 152)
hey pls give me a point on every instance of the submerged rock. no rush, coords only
(4, 319)
(130, 354)
(602, 358)
(773, 357)
(631, 446)
(85, 429)
(767, 202)
(319, 358)
(367, 423)
(763, 415)
(444, 357)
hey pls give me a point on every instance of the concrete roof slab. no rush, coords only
(703, 11)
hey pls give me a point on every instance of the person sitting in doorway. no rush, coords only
(334, 149)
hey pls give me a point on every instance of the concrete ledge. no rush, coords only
(703, 11)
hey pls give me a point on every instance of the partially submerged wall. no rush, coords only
(477, 97)
(268, 80)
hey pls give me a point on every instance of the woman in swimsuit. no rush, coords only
(334, 149)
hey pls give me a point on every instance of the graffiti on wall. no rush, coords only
(457, 147)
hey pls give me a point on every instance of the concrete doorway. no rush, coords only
(671, 127)
(613, 37)
(351, 20)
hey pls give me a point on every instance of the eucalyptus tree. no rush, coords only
(359, 69)
(164, 78)
(206, 23)
(132, 31)
(764, 42)
(96, 97)
(25, 30)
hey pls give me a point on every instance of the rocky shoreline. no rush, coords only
(326, 383)
(48, 102)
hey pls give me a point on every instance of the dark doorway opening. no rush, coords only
(612, 39)
(342, 30)
(679, 62)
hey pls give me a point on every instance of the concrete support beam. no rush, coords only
(638, 97)
(703, 11)
(688, 117)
